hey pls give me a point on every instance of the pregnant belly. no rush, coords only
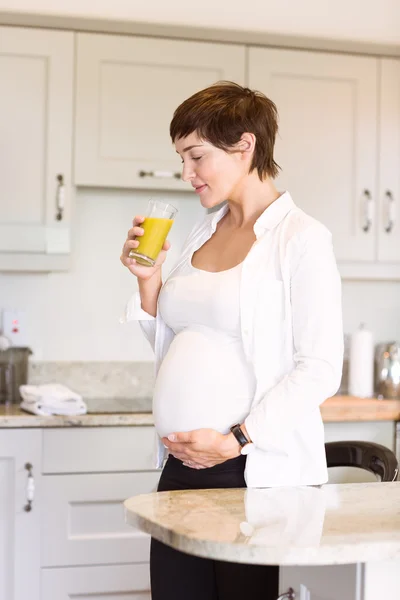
(204, 382)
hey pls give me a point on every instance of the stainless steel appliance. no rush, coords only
(13, 373)
(387, 370)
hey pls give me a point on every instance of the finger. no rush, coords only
(138, 219)
(129, 245)
(167, 245)
(185, 437)
(126, 261)
(134, 232)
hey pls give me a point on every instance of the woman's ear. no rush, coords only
(247, 143)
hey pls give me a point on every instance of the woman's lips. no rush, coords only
(199, 189)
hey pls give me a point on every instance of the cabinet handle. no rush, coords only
(30, 488)
(390, 211)
(160, 174)
(289, 595)
(60, 197)
(368, 210)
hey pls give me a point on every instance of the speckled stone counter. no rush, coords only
(332, 524)
(14, 417)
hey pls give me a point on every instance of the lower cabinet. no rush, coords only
(83, 519)
(336, 582)
(20, 510)
(116, 582)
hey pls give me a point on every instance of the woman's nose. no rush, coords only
(187, 173)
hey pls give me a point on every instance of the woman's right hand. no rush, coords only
(141, 272)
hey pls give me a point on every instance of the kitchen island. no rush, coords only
(345, 524)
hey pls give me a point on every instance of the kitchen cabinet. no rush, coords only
(327, 138)
(339, 156)
(130, 582)
(323, 582)
(74, 541)
(86, 547)
(36, 101)
(388, 217)
(83, 519)
(20, 480)
(127, 90)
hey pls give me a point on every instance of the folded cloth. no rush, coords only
(51, 399)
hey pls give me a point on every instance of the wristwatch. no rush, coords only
(245, 445)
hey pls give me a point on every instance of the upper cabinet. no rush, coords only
(127, 91)
(36, 103)
(340, 158)
(388, 218)
(327, 138)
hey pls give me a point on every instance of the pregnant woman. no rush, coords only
(246, 329)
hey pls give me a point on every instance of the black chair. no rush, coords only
(372, 457)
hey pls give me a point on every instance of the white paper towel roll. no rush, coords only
(361, 363)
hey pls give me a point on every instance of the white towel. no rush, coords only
(51, 399)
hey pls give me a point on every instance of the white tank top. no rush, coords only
(204, 380)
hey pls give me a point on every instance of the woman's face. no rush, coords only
(213, 173)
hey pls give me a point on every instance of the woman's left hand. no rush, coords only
(202, 448)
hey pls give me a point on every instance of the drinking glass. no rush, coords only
(157, 224)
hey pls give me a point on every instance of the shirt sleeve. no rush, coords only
(315, 293)
(135, 312)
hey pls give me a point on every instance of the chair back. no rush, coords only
(370, 456)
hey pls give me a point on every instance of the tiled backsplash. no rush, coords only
(105, 386)
(110, 386)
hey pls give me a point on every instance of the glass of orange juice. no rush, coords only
(158, 221)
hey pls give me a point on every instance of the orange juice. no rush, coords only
(150, 243)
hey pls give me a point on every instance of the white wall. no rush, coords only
(357, 20)
(74, 315)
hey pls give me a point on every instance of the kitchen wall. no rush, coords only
(355, 20)
(74, 316)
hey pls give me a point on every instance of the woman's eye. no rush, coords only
(196, 157)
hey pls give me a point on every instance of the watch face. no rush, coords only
(248, 448)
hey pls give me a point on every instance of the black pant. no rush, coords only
(179, 576)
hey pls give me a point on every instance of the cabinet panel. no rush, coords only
(36, 75)
(83, 519)
(118, 582)
(389, 165)
(127, 91)
(327, 141)
(98, 449)
(19, 529)
(323, 583)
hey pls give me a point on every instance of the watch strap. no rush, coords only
(239, 435)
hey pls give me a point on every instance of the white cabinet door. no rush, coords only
(344, 582)
(327, 143)
(389, 166)
(83, 519)
(19, 528)
(119, 582)
(36, 81)
(127, 91)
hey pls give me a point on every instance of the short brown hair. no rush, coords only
(224, 111)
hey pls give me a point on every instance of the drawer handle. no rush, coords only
(160, 174)
(60, 197)
(390, 211)
(30, 488)
(289, 595)
(368, 210)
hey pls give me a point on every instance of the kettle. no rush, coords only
(387, 373)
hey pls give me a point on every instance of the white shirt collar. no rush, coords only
(270, 218)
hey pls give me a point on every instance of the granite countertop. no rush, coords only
(137, 411)
(14, 417)
(331, 524)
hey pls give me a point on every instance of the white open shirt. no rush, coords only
(292, 333)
